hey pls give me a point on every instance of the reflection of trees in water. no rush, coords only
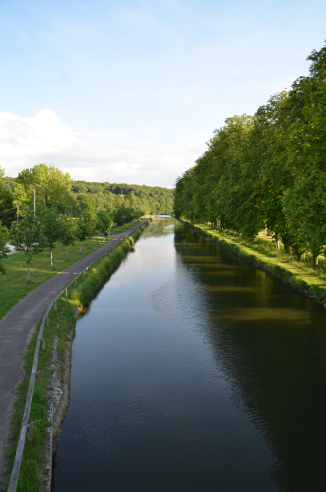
(271, 343)
(157, 226)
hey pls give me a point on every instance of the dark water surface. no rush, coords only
(193, 371)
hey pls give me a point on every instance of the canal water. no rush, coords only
(193, 371)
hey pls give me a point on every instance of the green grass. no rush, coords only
(13, 284)
(125, 227)
(61, 324)
(262, 252)
(29, 478)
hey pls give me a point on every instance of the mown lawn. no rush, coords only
(13, 284)
(263, 251)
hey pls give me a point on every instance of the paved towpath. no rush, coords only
(17, 327)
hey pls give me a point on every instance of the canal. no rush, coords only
(193, 371)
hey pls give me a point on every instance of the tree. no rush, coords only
(85, 228)
(305, 151)
(21, 198)
(130, 200)
(53, 187)
(124, 215)
(52, 229)
(6, 210)
(104, 221)
(4, 250)
(27, 236)
(68, 230)
(86, 203)
(270, 169)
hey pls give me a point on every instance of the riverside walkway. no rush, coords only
(18, 326)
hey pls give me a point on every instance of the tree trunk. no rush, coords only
(79, 246)
(89, 242)
(28, 276)
(67, 254)
(51, 258)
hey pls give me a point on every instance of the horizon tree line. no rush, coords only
(47, 213)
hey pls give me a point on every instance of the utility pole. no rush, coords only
(34, 203)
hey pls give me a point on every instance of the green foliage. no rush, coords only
(13, 286)
(86, 203)
(112, 196)
(27, 236)
(6, 208)
(104, 221)
(85, 227)
(267, 170)
(51, 228)
(124, 215)
(4, 250)
(67, 236)
(53, 188)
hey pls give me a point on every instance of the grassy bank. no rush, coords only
(13, 284)
(263, 254)
(61, 326)
(125, 227)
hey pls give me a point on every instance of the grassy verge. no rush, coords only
(126, 227)
(61, 325)
(263, 254)
(13, 285)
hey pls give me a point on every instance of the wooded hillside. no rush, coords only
(54, 188)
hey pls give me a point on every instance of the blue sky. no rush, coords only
(129, 91)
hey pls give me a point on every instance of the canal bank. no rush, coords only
(59, 331)
(191, 370)
(299, 275)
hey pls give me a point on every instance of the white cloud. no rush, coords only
(96, 156)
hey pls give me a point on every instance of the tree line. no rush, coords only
(55, 188)
(40, 209)
(267, 170)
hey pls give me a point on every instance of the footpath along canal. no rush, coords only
(193, 371)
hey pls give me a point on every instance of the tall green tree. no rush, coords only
(86, 203)
(68, 233)
(85, 228)
(27, 236)
(53, 188)
(104, 220)
(305, 144)
(51, 228)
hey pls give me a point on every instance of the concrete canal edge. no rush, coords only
(281, 274)
(54, 374)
